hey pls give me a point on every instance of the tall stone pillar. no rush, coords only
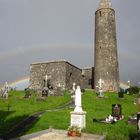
(106, 57)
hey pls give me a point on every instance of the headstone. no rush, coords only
(45, 92)
(73, 101)
(138, 125)
(132, 119)
(59, 91)
(78, 116)
(116, 110)
(27, 93)
(101, 94)
(121, 94)
(78, 119)
(110, 89)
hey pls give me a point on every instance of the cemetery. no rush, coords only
(81, 102)
(56, 112)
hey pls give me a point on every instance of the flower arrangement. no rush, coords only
(74, 131)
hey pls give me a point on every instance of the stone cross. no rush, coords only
(46, 78)
(100, 83)
(78, 106)
(73, 87)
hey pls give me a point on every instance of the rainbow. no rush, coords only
(20, 84)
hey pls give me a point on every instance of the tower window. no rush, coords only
(100, 13)
(70, 73)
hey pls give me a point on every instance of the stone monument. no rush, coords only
(116, 110)
(78, 116)
(59, 90)
(73, 95)
(100, 88)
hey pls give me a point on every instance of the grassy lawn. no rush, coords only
(21, 108)
(95, 108)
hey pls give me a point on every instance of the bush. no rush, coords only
(133, 90)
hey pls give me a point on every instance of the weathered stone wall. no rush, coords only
(56, 72)
(73, 75)
(106, 57)
(59, 73)
(87, 80)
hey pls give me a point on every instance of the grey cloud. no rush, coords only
(43, 30)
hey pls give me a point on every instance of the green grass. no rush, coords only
(21, 108)
(95, 108)
(100, 108)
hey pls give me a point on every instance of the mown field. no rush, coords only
(16, 108)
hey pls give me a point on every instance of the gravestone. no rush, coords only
(110, 89)
(78, 116)
(121, 94)
(138, 125)
(27, 93)
(73, 101)
(45, 92)
(132, 119)
(59, 91)
(116, 110)
(101, 94)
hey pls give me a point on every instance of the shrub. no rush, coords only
(133, 90)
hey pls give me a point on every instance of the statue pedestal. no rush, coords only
(78, 119)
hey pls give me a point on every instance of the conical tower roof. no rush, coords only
(104, 4)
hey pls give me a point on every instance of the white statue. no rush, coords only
(78, 106)
(6, 89)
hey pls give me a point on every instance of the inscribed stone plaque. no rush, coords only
(78, 119)
(116, 110)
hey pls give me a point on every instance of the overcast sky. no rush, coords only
(43, 30)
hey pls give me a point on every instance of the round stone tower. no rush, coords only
(106, 57)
